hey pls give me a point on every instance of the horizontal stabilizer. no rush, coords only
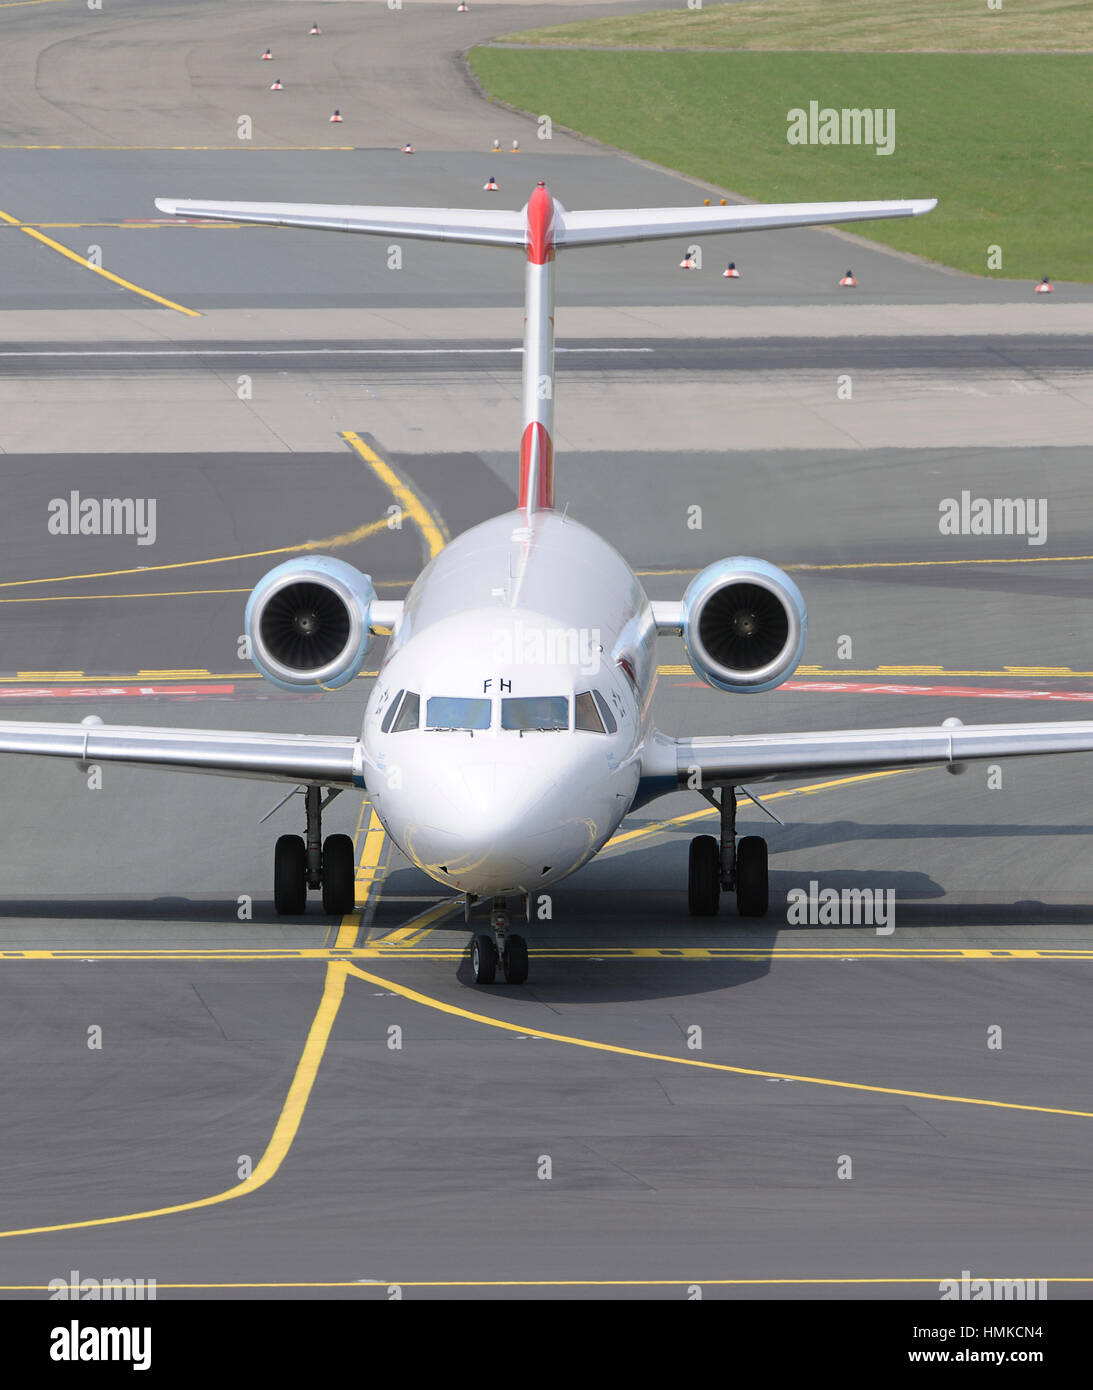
(603, 228)
(490, 227)
(496, 227)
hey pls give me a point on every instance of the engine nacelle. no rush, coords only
(307, 623)
(744, 625)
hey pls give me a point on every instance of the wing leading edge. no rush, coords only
(783, 757)
(327, 760)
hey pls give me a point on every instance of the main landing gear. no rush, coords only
(510, 950)
(739, 867)
(300, 863)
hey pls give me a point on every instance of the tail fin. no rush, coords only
(540, 229)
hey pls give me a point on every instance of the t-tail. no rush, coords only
(542, 228)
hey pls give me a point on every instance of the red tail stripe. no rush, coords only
(545, 493)
(540, 226)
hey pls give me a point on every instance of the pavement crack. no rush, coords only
(209, 1011)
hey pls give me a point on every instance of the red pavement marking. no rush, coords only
(99, 692)
(952, 692)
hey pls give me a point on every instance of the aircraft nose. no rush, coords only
(495, 828)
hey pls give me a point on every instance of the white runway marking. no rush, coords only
(299, 352)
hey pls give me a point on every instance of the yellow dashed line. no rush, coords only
(453, 1009)
(284, 1132)
(376, 949)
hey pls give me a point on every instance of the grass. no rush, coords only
(850, 26)
(1002, 141)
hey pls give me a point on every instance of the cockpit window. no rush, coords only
(587, 717)
(605, 712)
(453, 712)
(385, 726)
(535, 712)
(409, 713)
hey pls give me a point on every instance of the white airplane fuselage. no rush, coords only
(530, 646)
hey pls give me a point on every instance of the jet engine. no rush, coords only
(307, 623)
(744, 624)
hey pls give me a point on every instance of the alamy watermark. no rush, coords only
(529, 644)
(852, 907)
(103, 516)
(846, 125)
(967, 1288)
(993, 516)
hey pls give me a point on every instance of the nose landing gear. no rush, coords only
(510, 950)
(736, 867)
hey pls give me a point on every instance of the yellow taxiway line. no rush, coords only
(284, 1131)
(359, 533)
(245, 145)
(440, 1006)
(96, 269)
(414, 932)
(381, 1284)
(642, 832)
(368, 878)
(434, 533)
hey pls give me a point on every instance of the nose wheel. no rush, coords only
(510, 950)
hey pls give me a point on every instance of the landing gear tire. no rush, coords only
(704, 877)
(516, 961)
(290, 876)
(483, 960)
(752, 885)
(339, 886)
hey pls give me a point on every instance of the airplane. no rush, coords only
(509, 731)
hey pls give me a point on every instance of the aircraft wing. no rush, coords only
(497, 227)
(328, 760)
(782, 757)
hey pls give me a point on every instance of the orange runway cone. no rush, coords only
(337, 117)
(848, 280)
(724, 202)
(407, 149)
(267, 57)
(490, 186)
(705, 202)
(1045, 286)
(276, 86)
(731, 272)
(687, 263)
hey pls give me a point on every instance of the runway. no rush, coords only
(327, 1107)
